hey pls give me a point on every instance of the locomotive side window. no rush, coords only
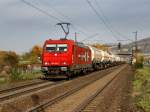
(51, 47)
(62, 47)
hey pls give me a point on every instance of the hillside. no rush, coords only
(143, 45)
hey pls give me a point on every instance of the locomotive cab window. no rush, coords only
(62, 47)
(50, 47)
(56, 47)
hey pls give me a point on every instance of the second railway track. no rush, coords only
(7, 94)
(19, 86)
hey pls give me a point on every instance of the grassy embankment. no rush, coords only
(141, 88)
(15, 76)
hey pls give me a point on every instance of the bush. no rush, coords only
(8, 58)
(138, 65)
(141, 86)
(17, 75)
(30, 76)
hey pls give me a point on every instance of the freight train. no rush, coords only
(68, 58)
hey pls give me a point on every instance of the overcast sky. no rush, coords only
(22, 26)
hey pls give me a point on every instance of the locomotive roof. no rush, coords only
(58, 40)
(80, 44)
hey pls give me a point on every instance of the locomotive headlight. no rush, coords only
(46, 63)
(44, 68)
(63, 68)
(63, 63)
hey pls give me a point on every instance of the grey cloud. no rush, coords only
(22, 26)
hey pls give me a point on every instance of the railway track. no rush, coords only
(113, 98)
(54, 102)
(9, 93)
(20, 86)
(87, 105)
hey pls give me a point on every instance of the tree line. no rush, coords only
(12, 59)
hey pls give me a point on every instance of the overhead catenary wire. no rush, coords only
(41, 10)
(102, 19)
(57, 11)
(76, 27)
(54, 17)
(108, 21)
(89, 37)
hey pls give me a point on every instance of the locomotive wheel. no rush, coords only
(69, 75)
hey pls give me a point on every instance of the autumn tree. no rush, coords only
(33, 55)
(8, 58)
(101, 47)
(36, 50)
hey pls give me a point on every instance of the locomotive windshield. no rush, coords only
(61, 47)
(56, 47)
(51, 47)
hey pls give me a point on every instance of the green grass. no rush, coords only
(16, 75)
(141, 88)
(2, 80)
(21, 78)
(29, 76)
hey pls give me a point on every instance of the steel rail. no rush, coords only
(87, 101)
(20, 86)
(23, 91)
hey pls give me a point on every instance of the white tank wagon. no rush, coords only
(113, 58)
(96, 54)
(100, 58)
(122, 60)
(97, 57)
(105, 57)
(118, 60)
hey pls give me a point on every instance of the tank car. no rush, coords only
(100, 59)
(96, 57)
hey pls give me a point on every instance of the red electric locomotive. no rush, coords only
(65, 57)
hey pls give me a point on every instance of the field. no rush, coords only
(141, 88)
